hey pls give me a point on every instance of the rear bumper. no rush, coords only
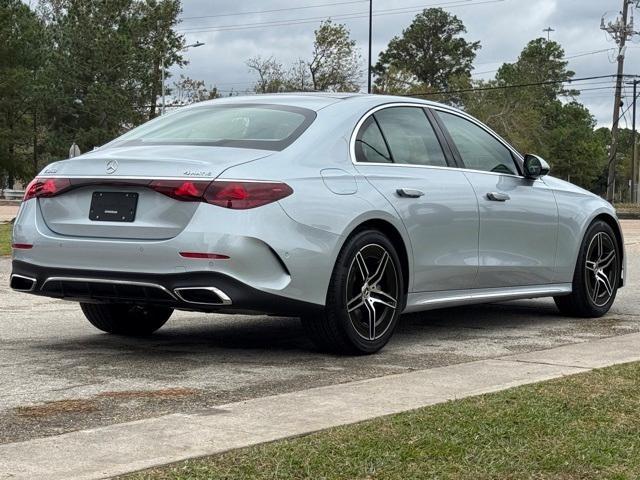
(198, 291)
(267, 251)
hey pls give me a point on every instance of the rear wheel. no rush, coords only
(121, 319)
(597, 274)
(364, 300)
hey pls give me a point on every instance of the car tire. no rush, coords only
(129, 320)
(366, 283)
(597, 274)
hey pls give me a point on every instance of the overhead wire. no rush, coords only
(300, 21)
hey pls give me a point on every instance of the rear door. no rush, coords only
(399, 152)
(518, 216)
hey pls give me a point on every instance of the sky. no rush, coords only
(503, 28)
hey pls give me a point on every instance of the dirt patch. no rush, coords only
(58, 407)
(164, 393)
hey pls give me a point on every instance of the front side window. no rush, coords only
(261, 126)
(478, 149)
(410, 136)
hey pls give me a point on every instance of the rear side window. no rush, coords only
(269, 127)
(478, 149)
(410, 136)
(370, 144)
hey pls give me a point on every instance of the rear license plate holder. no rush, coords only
(113, 206)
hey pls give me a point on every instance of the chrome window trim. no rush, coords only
(108, 281)
(354, 134)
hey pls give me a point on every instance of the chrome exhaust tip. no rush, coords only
(202, 295)
(20, 283)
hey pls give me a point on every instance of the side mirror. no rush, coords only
(535, 166)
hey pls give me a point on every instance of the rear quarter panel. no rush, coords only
(318, 167)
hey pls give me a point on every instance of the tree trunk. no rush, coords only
(153, 98)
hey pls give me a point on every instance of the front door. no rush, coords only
(518, 216)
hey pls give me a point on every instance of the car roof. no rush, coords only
(318, 100)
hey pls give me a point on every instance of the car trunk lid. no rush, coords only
(110, 196)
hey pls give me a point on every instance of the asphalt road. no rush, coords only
(59, 374)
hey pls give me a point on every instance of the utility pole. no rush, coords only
(620, 30)
(548, 30)
(370, 36)
(634, 168)
(162, 79)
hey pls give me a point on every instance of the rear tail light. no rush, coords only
(183, 190)
(234, 194)
(240, 195)
(46, 187)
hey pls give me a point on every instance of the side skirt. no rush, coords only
(431, 300)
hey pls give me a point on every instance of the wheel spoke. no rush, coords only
(607, 260)
(362, 265)
(382, 266)
(599, 245)
(371, 311)
(604, 280)
(354, 303)
(378, 296)
(596, 290)
(591, 266)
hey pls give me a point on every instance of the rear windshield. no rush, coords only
(267, 127)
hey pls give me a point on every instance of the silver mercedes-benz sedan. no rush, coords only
(345, 210)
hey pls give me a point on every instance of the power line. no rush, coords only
(504, 87)
(355, 15)
(569, 57)
(288, 9)
(314, 19)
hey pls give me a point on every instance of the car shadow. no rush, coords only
(207, 335)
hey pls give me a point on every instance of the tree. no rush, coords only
(522, 114)
(271, 75)
(298, 77)
(106, 66)
(334, 65)
(24, 48)
(430, 52)
(156, 44)
(537, 118)
(336, 61)
(188, 91)
(576, 152)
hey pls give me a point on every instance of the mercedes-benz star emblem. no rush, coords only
(112, 166)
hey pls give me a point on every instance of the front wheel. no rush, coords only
(121, 319)
(597, 274)
(364, 300)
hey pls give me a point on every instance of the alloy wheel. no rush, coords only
(372, 292)
(601, 269)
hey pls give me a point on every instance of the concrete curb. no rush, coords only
(118, 449)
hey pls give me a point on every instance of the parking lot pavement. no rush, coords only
(59, 374)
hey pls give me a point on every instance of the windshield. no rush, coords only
(268, 127)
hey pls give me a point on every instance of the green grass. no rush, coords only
(585, 426)
(5, 238)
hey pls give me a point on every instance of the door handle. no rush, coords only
(498, 196)
(409, 193)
